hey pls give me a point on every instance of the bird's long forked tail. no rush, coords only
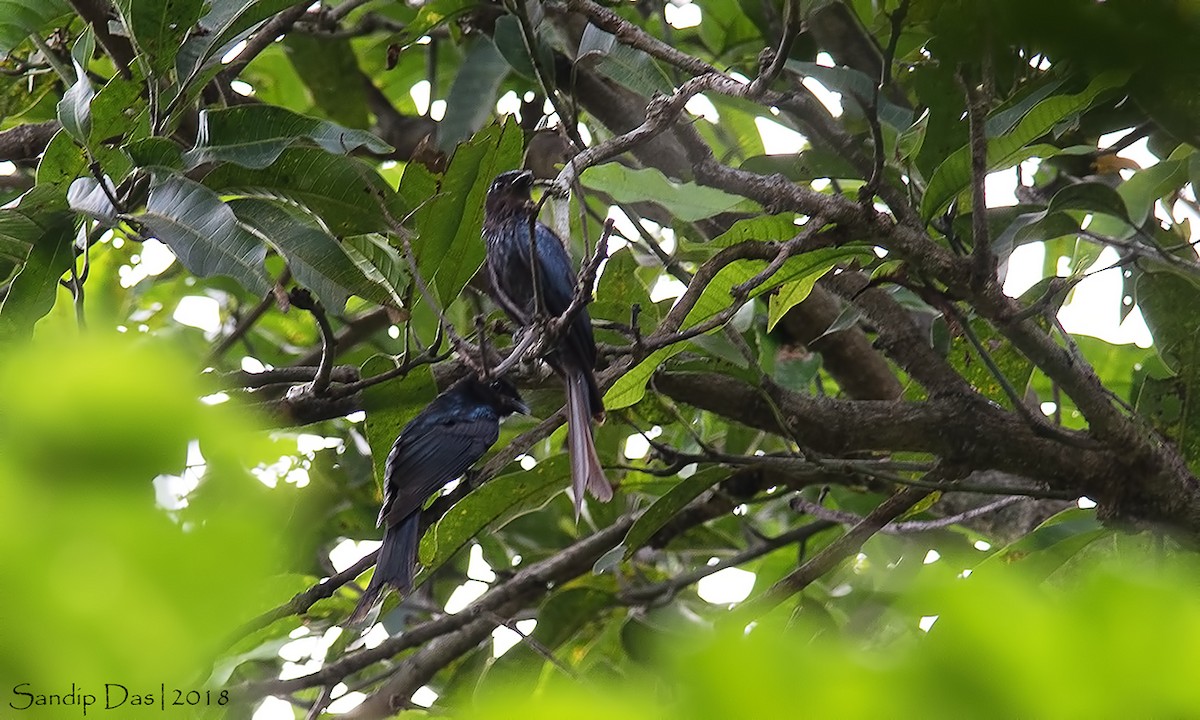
(585, 463)
(396, 565)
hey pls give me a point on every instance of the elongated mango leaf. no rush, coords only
(158, 28)
(491, 506)
(631, 386)
(381, 264)
(204, 233)
(765, 228)
(1168, 303)
(433, 14)
(788, 297)
(510, 41)
(254, 136)
(629, 66)
(666, 507)
(316, 259)
(346, 194)
(1043, 551)
(75, 108)
(155, 152)
(40, 224)
(472, 95)
(87, 196)
(686, 201)
(953, 175)
(325, 63)
(226, 22)
(1011, 363)
(449, 248)
(859, 86)
(21, 18)
(804, 166)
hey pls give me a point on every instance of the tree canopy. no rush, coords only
(860, 469)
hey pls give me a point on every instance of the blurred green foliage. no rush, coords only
(101, 584)
(1114, 639)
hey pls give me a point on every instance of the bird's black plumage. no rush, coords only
(510, 267)
(435, 447)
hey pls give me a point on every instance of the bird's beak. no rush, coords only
(521, 407)
(525, 180)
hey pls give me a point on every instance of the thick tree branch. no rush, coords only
(26, 142)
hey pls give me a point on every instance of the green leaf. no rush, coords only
(348, 195)
(87, 196)
(1043, 551)
(619, 289)
(788, 297)
(158, 28)
(1173, 406)
(472, 96)
(155, 152)
(118, 115)
(493, 505)
(686, 201)
(1013, 365)
(1168, 304)
(41, 224)
(449, 249)
(1089, 197)
(62, 162)
(629, 66)
(381, 264)
(859, 86)
(390, 405)
(765, 228)
(21, 18)
(953, 175)
(910, 141)
(1141, 191)
(433, 14)
(804, 166)
(226, 22)
(315, 258)
(510, 41)
(329, 67)
(630, 387)
(254, 136)
(204, 233)
(716, 296)
(846, 319)
(668, 506)
(74, 110)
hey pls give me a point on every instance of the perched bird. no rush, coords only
(435, 447)
(507, 222)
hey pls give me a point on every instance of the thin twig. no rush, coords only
(906, 528)
(983, 259)
(248, 321)
(664, 591)
(866, 195)
(534, 644)
(566, 119)
(832, 554)
(304, 300)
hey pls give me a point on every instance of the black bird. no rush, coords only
(435, 447)
(506, 230)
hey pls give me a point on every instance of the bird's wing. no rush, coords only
(427, 457)
(558, 289)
